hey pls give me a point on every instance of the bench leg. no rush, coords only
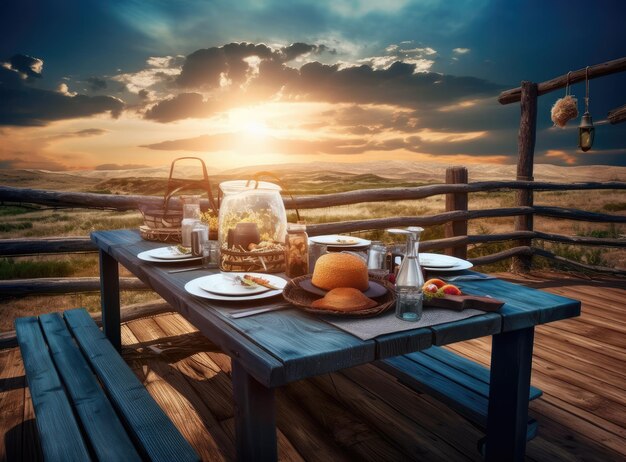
(507, 419)
(110, 298)
(255, 420)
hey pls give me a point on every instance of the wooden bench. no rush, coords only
(88, 403)
(458, 382)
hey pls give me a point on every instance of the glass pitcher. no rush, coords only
(409, 281)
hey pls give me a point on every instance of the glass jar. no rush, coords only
(191, 217)
(409, 281)
(296, 250)
(252, 227)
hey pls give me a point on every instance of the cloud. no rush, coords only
(181, 106)
(243, 73)
(96, 83)
(27, 65)
(25, 105)
(461, 51)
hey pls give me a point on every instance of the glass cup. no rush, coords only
(210, 254)
(315, 251)
(377, 260)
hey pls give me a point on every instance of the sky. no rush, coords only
(88, 84)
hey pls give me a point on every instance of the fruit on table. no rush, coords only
(450, 289)
(437, 282)
(430, 288)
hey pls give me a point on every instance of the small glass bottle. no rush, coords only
(191, 217)
(296, 250)
(409, 281)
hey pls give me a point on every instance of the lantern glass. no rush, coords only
(586, 132)
(585, 138)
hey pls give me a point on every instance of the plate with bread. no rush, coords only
(340, 286)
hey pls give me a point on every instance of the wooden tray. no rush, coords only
(301, 298)
(462, 302)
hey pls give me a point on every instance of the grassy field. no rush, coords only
(16, 222)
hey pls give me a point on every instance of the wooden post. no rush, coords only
(456, 201)
(525, 163)
(110, 299)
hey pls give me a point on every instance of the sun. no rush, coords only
(255, 128)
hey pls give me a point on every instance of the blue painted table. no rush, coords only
(273, 349)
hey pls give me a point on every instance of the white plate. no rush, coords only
(438, 262)
(337, 240)
(147, 256)
(169, 253)
(194, 287)
(225, 284)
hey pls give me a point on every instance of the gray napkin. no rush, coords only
(368, 328)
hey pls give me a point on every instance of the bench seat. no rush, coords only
(456, 381)
(88, 403)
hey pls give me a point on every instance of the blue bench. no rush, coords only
(458, 382)
(88, 403)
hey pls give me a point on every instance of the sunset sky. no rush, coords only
(120, 84)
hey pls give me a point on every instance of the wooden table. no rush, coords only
(273, 349)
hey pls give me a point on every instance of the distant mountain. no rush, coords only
(314, 177)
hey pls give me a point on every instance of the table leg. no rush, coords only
(110, 298)
(507, 420)
(255, 420)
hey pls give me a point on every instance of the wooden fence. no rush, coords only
(454, 219)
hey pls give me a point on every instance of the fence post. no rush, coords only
(525, 161)
(456, 201)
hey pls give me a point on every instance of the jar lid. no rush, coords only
(236, 186)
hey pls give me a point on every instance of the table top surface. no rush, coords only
(283, 346)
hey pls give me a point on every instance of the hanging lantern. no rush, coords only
(586, 131)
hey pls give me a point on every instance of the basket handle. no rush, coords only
(172, 187)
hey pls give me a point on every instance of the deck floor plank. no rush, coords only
(362, 413)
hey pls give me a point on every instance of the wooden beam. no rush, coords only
(37, 246)
(40, 196)
(599, 70)
(525, 165)
(24, 287)
(617, 115)
(458, 201)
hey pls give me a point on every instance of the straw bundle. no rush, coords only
(564, 110)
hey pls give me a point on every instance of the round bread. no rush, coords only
(338, 269)
(344, 299)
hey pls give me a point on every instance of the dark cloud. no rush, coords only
(181, 106)
(297, 49)
(203, 68)
(27, 65)
(25, 105)
(96, 83)
(119, 166)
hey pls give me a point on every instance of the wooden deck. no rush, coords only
(364, 414)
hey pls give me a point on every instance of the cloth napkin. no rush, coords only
(387, 323)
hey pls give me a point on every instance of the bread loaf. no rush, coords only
(344, 299)
(338, 269)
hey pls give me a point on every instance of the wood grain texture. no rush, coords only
(458, 201)
(12, 404)
(52, 407)
(100, 423)
(617, 115)
(36, 246)
(41, 286)
(148, 425)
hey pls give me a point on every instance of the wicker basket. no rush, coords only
(160, 234)
(163, 224)
(258, 261)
